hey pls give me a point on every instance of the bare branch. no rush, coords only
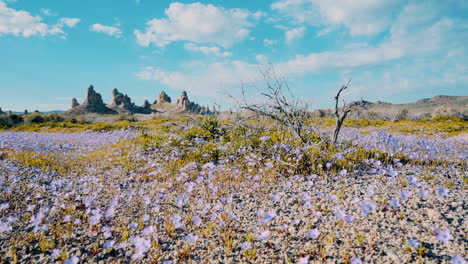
(279, 103)
(345, 110)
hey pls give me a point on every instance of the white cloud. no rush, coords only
(70, 22)
(207, 50)
(205, 80)
(259, 14)
(269, 42)
(293, 34)
(22, 23)
(46, 12)
(361, 17)
(197, 23)
(398, 46)
(262, 59)
(108, 30)
(422, 52)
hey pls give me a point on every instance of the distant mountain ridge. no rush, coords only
(438, 100)
(439, 104)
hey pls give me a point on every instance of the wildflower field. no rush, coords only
(201, 190)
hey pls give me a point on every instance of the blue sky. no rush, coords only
(396, 51)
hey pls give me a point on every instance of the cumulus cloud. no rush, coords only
(22, 23)
(269, 42)
(204, 80)
(216, 51)
(408, 62)
(198, 23)
(262, 59)
(293, 34)
(70, 22)
(361, 17)
(400, 44)
(108, 30)
(46, 12)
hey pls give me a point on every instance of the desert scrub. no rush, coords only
(71, 127)
(176, 193)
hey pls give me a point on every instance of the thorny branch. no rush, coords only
(345, 109)
(279, 104)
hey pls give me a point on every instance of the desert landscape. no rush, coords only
(221, 187)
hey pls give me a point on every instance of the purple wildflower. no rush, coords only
(458, 260)
(263, 235)
(313, 233)
(444, 236)
(413, 242)
(367, 207)
(442, 191)
(395, 204)
(245, 246)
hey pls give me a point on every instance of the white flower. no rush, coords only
(191, 239)
(4, 206)
(317, 214)
(313, 233)
(276, 197)
(349, 219)
(394, 203)
(109, 244)
(340, 213)
(245, 246)
(95, 217)
(110, 211)
(303, 260)
(423, 193)
(367, 207)
(458, 260)
(31, 207)
(141, 247)
(343, 172)
(55, 253)
(181, 200)
(442, 191)
(263, 235)
(72, 260)
(196, 220)
(5, 227)
(405, 194)
(147, 231)
(176, 220)
(66, 218)
(232, 216)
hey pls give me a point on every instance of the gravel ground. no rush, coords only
(225, 213)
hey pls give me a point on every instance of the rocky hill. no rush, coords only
(440, 105)
(122, 104)
(437, 105)
(163, 104)
(93, 103)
